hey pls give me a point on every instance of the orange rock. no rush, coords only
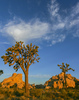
(15, 78)
(58, 81)
(70, 83)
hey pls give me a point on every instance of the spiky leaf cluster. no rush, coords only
(1, 72)
(65, 68)
(21, 55)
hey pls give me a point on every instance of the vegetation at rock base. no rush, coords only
(39, 94)
(21, 56)
(65, 69)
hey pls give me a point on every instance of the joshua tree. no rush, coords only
(21, 56)
(1, 72)
(65, 69)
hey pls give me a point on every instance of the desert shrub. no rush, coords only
(36, 92)
(1, 97)
(8, 93)
(40, 86)
(62, 95)
(59, 98)
(0, 85)
(2, 90)
(48, 94)
(70, 94)
(44, 97)
(53, 96)
(63, 90)
(15, 98)
(76, 95)
(18, 94)
(14, 86)
(23, 98)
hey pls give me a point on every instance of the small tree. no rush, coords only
(22, 56)
(65, 69)
(1, 72)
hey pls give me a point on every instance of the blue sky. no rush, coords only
(53, 25)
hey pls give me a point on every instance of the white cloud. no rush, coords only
(57, 39)
(74, 22)
(58, 26)
(76, 34)
(54, 9)
(22, 31)
(75, 10)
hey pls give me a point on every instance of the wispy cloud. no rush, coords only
(9, 74)
(59, 38)
(74, 22)
(75, 10)
(40, 76)
(4, 43)
(53, 10)
(60, 23)
(53, 32)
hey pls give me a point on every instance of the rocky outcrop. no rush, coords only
(14, 79)
(70, 83)
(58, 81)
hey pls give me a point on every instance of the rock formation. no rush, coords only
(58, 81)
(14, 79)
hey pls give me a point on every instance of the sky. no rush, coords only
(53, 25)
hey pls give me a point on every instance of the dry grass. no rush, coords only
(39, 94)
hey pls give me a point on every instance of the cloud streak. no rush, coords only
(4, 43)
(53, 32)
(39, 76)
(60, 23)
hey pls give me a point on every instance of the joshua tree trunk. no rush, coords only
(26, 83)
(65, 80)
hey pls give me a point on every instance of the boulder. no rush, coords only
(58, 81)
(70, 83)
(47, 87)
(14, 79)
(58, 84)
(54, 77)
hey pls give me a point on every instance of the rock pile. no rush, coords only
(58, 81)
(14, 79)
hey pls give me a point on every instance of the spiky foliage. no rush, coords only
(1, 72)
(21, 56)
(64, 68)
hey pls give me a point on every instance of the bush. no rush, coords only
(14, 86)
(0, 85)
(8, 93)
(36, 92)
(44, 97)
(18, 94)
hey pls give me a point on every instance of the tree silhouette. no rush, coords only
(65, 69)
(1, 72)
(21, 56)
